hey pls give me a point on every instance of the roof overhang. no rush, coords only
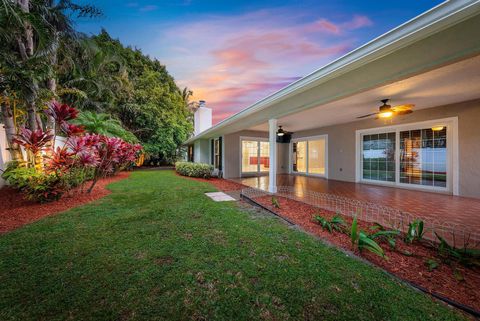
(445, 34)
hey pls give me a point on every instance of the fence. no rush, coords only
(392, 218)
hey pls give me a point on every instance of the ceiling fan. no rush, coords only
(387, 111)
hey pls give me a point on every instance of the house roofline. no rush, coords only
(430, 22)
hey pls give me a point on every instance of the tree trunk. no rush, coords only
(10, 130)
(26, 49)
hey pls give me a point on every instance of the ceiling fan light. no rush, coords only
(280, 131)
(437, 128)
(385, 114)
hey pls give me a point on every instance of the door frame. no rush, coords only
(258, 140)
(307, 138)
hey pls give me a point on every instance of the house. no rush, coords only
(426, 137)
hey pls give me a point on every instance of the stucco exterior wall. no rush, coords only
(342, 145)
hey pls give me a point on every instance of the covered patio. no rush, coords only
(434, 206)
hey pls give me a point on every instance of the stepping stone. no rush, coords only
(220, 197)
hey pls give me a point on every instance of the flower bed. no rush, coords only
(408, 261)
(17, 211)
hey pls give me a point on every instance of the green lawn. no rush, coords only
(158, 249)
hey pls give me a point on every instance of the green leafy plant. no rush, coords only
(464, 256)
(431, 264)
(362, 241)
(275, 202)
(390, 236)
(337, 223)
(190, 169)
(415, 231)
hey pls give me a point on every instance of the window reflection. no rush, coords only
(378, 157)
(423, 157)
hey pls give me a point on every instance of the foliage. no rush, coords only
(194, 169)
(33, 140)
(104, 124)
(464, 256)
(362, 241)
(381, 233)
(275, 202)
(35, 185)
(83, 157)
(337, 223)
(123, 82)
(415, 231)
(431, 264)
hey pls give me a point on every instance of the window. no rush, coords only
(423, 157)
(255, 156)
(309, 156)
(409, 155)
(378, 157)
(216, 153)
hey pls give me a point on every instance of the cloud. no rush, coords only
(233, 61)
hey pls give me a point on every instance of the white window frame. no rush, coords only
(306, 139)
(258, 140)
(452, 184)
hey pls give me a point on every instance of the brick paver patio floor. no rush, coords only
(448, 208)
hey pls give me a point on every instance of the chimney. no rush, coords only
(202, 118)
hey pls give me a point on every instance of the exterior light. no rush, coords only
(280, 131)
(385, 114)
(438, 128)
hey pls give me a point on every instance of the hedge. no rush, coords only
(194, 169)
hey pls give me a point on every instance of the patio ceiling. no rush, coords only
(447, 85)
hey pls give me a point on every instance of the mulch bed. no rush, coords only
(15, 211)
(443, 280)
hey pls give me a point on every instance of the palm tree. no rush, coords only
(105, 125)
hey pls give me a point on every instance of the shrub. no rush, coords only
(36, 186)
(194, 169)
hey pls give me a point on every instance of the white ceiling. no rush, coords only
(446, 85)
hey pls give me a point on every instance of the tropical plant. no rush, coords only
(361, 241)
(431, 264)
(415, 231)
(337, 223)
(275, 202)
(465, 256)
(104, 124)
(381, 233)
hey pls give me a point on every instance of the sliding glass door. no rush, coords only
(255, 156)
(408, 156)
(309, 156)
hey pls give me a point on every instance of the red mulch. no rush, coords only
(412, 268)
(15, 211)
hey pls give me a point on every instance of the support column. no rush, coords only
(272, 173)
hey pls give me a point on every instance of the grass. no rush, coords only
(158, 249)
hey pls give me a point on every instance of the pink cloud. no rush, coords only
(323, 25)
(238, 60)
(358, 22)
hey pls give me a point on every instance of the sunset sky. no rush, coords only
(233, 53)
